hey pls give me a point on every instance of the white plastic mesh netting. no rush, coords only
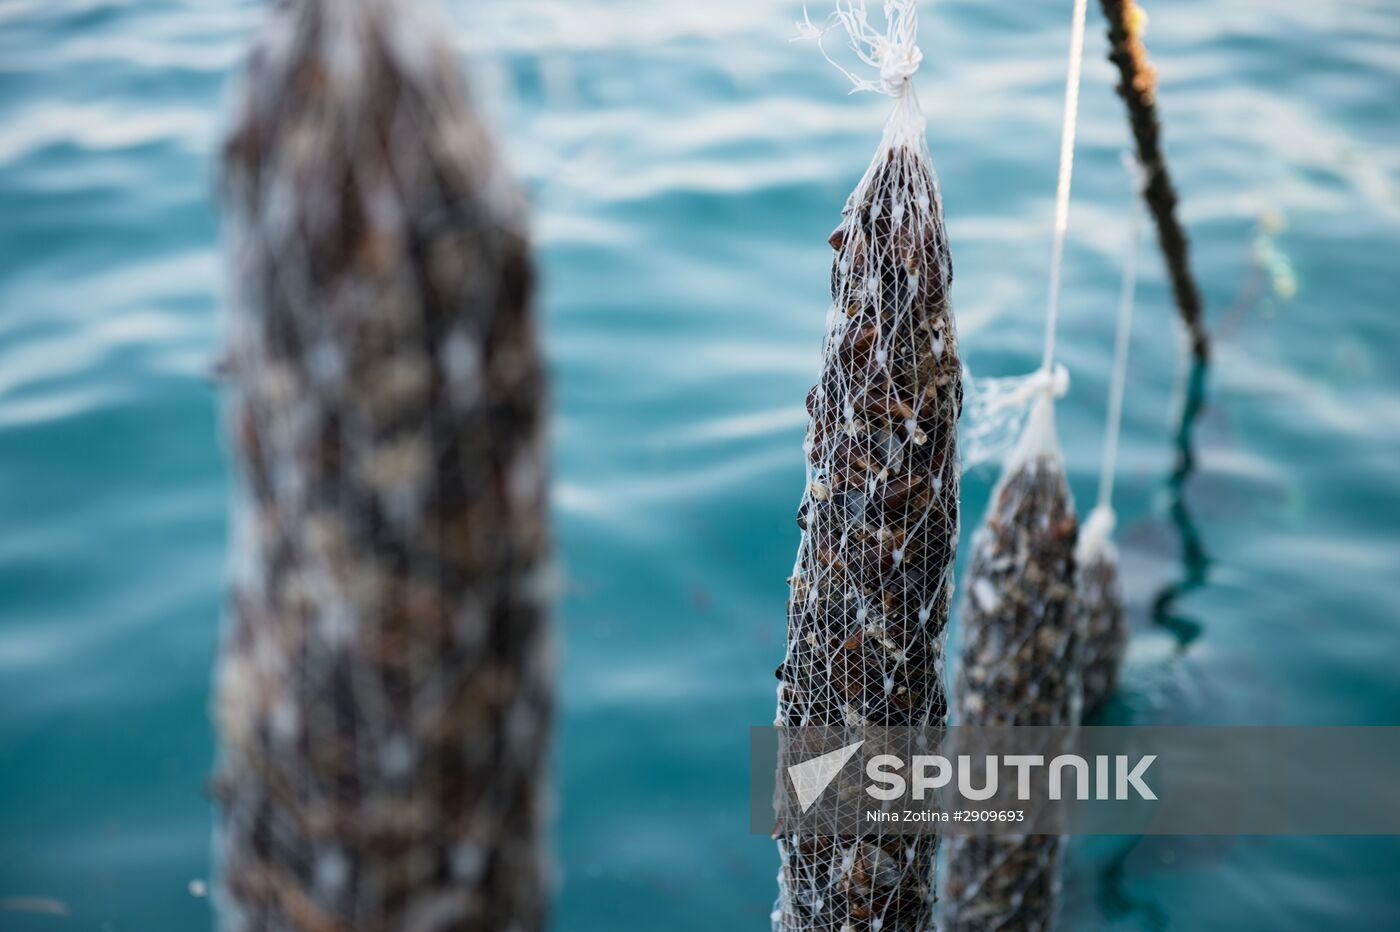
(1019, 665)
(995, 410)
(872, 585)
(384, 686)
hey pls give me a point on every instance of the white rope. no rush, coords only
(893, 53)
(1118, 386)
(1067, 134)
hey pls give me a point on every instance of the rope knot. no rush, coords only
(898, 63)
(893, 53)
(1053, 382)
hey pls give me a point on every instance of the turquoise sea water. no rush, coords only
(686, 163)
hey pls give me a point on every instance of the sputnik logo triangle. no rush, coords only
(811, 778)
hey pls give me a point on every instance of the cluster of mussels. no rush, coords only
(1103, 625)
(1019, 661)
(872, 587)
(384, 688)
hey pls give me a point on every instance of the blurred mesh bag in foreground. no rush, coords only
(384, 687)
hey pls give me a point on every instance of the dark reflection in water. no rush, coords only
(1195, 562)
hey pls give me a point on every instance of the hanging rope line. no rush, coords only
(996, 409)
(1062, 190)
(1103, 619)
(1126, 300)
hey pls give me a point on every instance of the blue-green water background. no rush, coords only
(686, 163)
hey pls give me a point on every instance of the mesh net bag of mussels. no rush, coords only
(872, 585)
(1018, 657)
(1103, 621)
(383, 689)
